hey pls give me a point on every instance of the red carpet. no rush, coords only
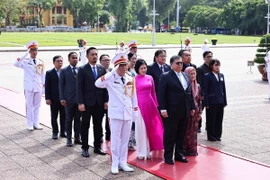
(211, 164)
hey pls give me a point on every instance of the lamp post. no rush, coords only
(154, 24)
(267, 2)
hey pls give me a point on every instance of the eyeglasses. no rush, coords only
(179, 63)
(58, 61)
(163, 56)
(107, 60)
(187, 55)
(209, 56)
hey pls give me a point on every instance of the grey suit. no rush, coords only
(67, 92)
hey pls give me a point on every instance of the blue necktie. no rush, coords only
(95, 72)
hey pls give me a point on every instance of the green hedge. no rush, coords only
(261, 51)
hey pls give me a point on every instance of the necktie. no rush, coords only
(35, 62)
(74, 71)
(95, 72)
(162, 69)
(123, 80)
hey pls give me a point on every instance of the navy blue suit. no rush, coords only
(215, 100)
(52, 94)
(93, 98)
(67, 92)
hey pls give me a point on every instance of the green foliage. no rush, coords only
(84, 10)
(121, 11)
(264, 45)
(162, 8)
(202, 16)
(42, 6)
(10, 11)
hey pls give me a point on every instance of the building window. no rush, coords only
(59, 10)
(65, 21)
(53, 10)
(65, 10)
(53, 20)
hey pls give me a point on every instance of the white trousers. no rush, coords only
(268, 77)
(120, 132)
(33, 101)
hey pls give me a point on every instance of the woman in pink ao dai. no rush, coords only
(149, 127)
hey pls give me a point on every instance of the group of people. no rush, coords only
(152, 107)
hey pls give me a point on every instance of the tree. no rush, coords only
(121, 10)
(42, 6)
(10, 10)
(162, 8)
(202, 17)
(84, 10)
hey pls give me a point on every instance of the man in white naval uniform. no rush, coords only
(34, 80)
(267, 68)
(121, 107)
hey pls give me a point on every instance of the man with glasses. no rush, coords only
(176, 105)
(105, 60)
(52, 97)
(158, 67)
(201, 71)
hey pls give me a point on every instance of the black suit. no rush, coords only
(155, 71)
(67, 89)
(178, 103)
(93, 98)
(215, 99)
(201, 71)
(52, 94)
(188, 65)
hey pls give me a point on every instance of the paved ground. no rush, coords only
(245, 134)
(34, 155)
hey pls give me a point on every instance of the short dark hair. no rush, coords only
(89, 49)
(130, 55)
(56, 57)
(69, 54)
(102, 55)
(158, 52)
(173, 58)
(212, 62)
(181, 52)
(138, 64)
(206, 53)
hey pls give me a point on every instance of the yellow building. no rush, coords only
(57, 16)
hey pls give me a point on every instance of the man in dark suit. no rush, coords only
(68, 97)
(186, 57)
(176, 105)
(92, 101)
(105, 60)
(201, 71)
(215, 100)
(158, 67)
(52, 97)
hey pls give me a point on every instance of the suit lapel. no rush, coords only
(55, 75)
(70, 72)
(176, 79)
(157, 69)
(89, 71)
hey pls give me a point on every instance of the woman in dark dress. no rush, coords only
(190, 143)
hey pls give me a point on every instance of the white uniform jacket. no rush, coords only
(267, 62)
(122, 97)
(34, 74)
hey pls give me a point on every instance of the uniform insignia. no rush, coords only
(18, 59)
(116, 82)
